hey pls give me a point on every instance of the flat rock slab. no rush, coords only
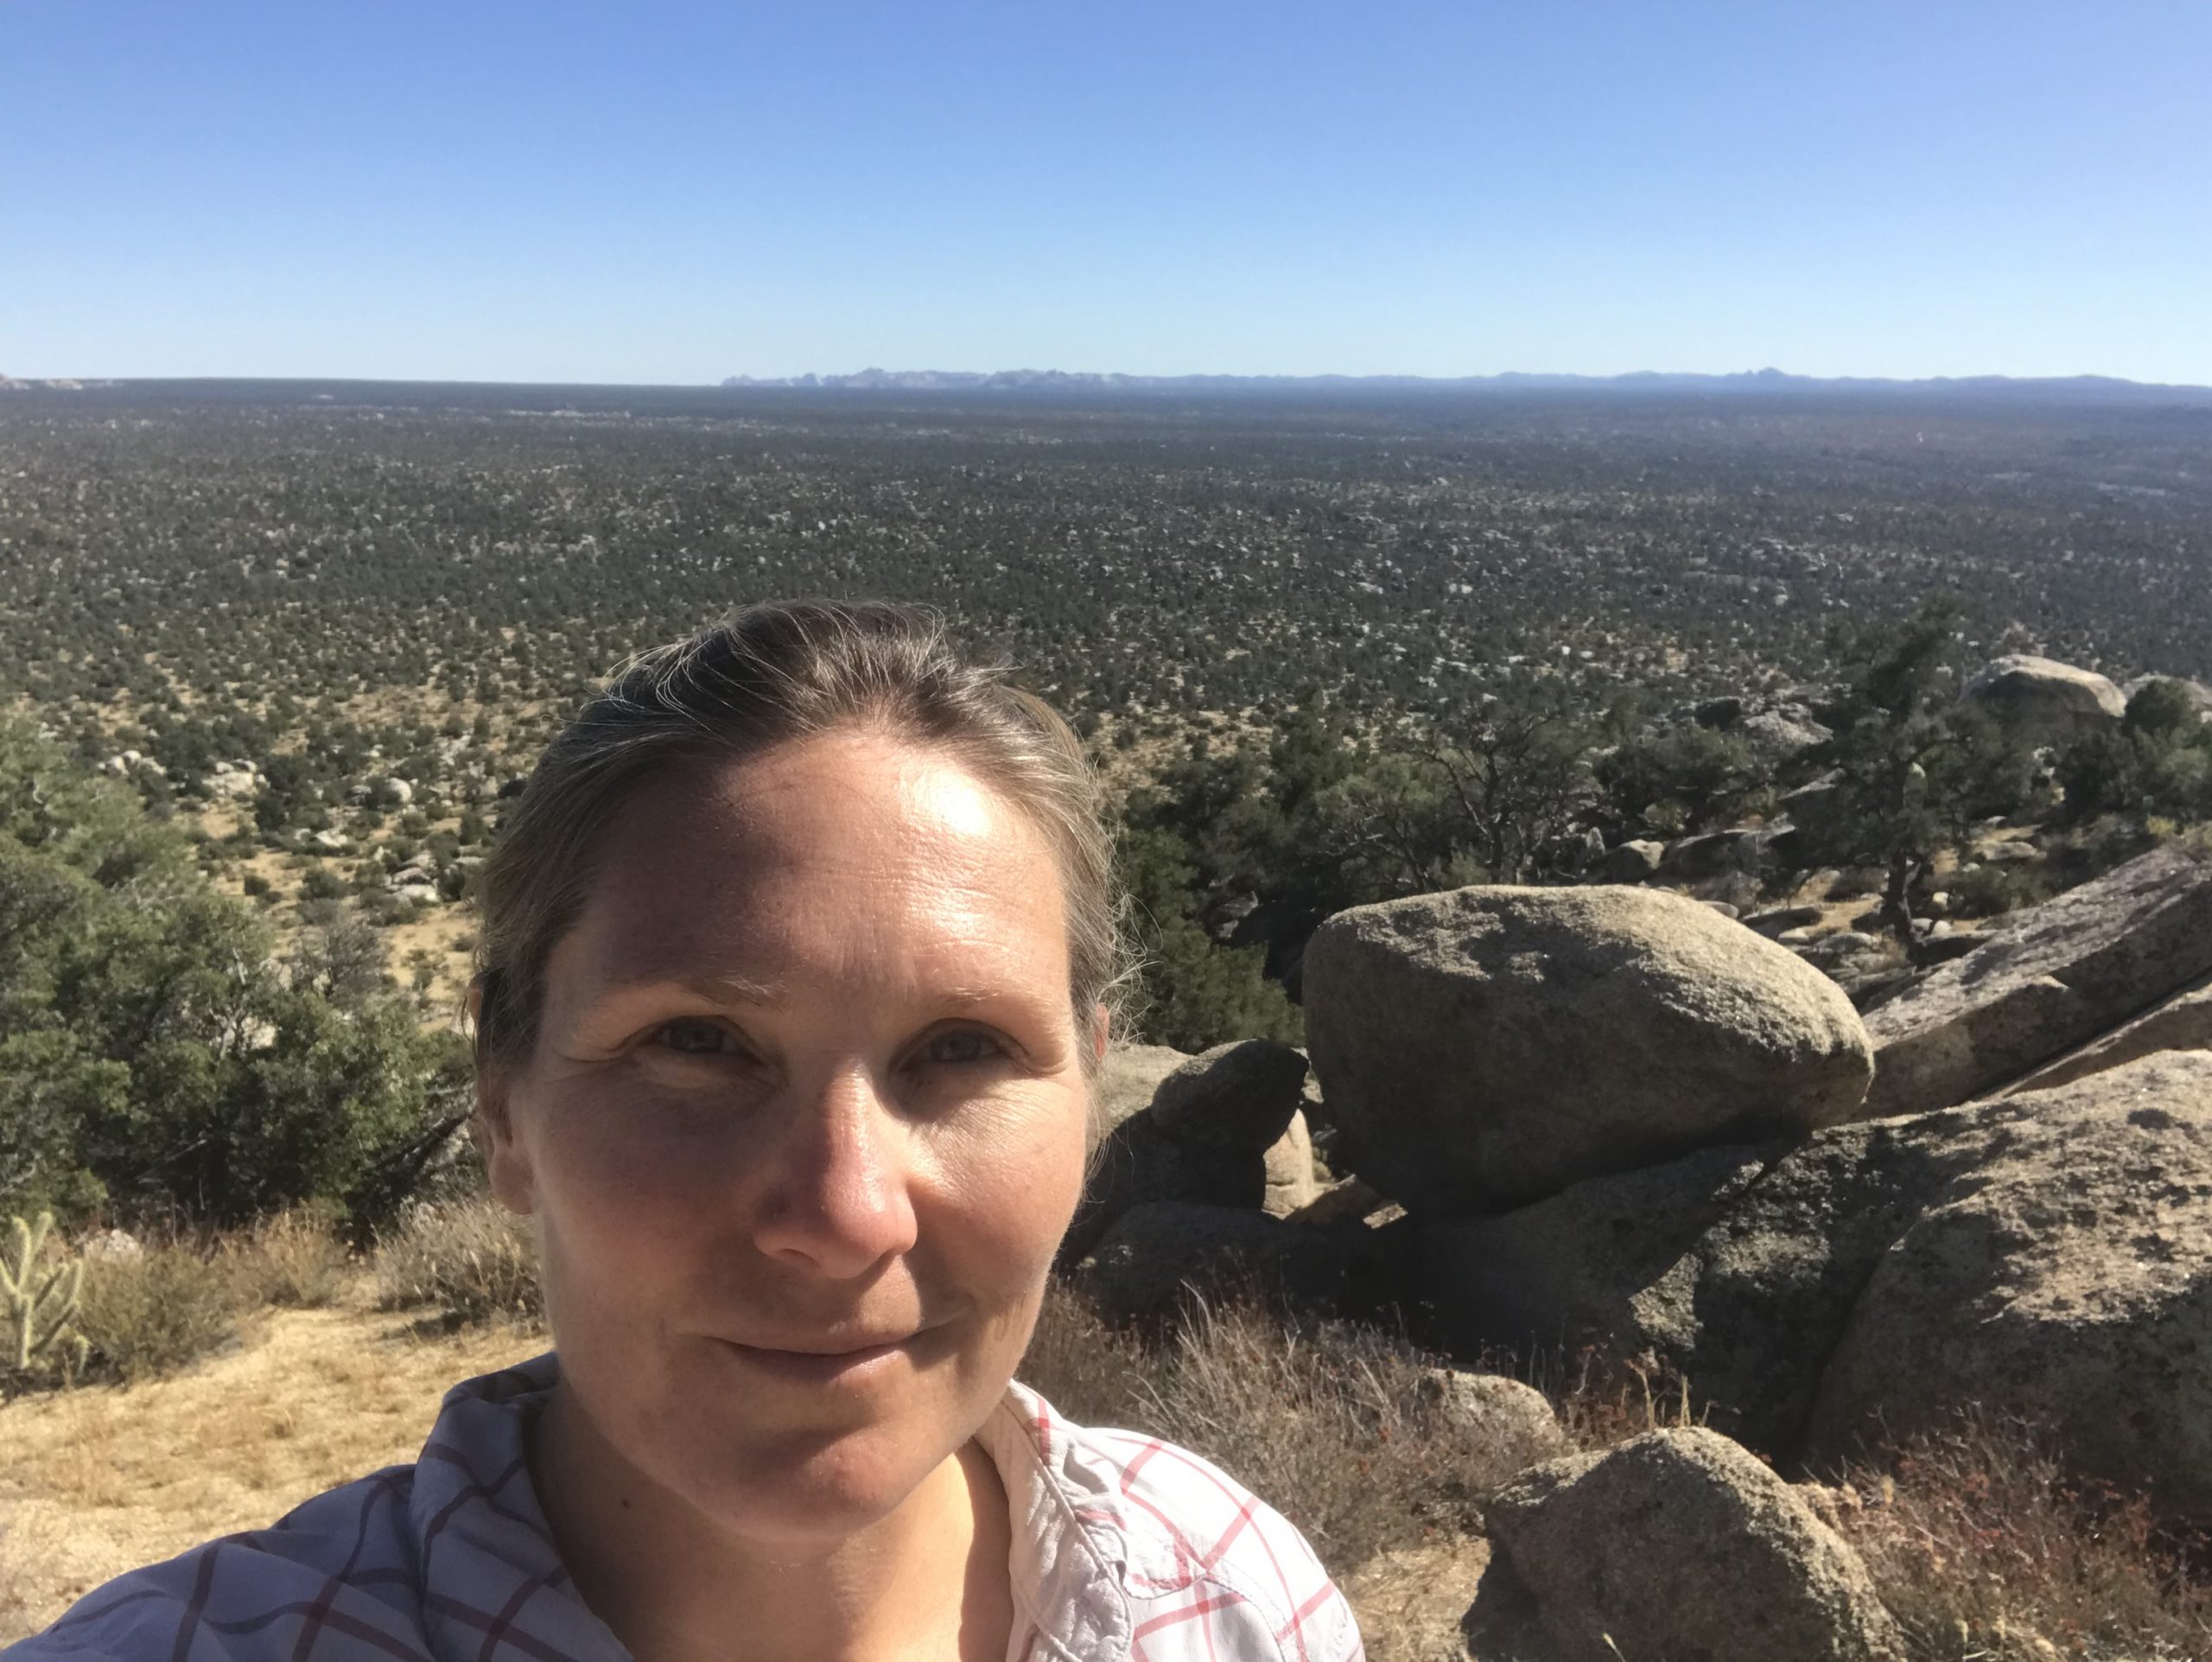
(2182, 1023)
(2052, 980)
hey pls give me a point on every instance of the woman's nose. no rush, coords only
(837, 1202)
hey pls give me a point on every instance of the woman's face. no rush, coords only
(803, 1127)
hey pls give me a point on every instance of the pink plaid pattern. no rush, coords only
(1125, 1547)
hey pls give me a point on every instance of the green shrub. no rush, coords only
(319, 882)
(1684, 778)
(2158, 761)
(1991, 891)
(154, 1059)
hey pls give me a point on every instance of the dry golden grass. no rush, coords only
(1987, 1551)
(1410, 1600)
(99, 1479)
(1336, 1427)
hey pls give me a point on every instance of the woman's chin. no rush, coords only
(809, 1486)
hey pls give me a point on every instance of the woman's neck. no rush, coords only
(928, 1583)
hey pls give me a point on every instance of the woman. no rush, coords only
(795, 968)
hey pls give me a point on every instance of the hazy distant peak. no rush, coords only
(1746, 381)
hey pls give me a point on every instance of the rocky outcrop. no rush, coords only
(2045, 982)
(2051, 1253)
(1155, 1254)
(1126, 1079)
(1677, 1543)
(2044, 700)
(2067, 1279)
(1483, 1048)
(1233, 1097)
(1221, 1129)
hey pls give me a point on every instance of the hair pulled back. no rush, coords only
(764, 675)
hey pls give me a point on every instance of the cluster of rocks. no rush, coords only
(233, 781)
(125, 763)
(1776, 730)
(1612, 1116)
(424, 879)
(391, 791)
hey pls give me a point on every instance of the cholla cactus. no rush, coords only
(37, 1313)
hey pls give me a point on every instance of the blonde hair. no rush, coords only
(763, 676)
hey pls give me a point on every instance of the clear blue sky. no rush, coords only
(672, 191)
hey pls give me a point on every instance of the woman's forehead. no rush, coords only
(830, 847)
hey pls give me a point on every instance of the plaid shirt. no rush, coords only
(1123, 1547)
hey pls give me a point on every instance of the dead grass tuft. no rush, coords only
(1982, 1548)
(470, 1261)
(158, 1312)
(295, 1262)
(1338, 1427)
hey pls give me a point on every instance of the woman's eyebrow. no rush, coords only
(762, 995)
(711, 989)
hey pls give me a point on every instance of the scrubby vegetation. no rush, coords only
(150, 1309)
(281, 654)
(1331, 650)
(157, 1059)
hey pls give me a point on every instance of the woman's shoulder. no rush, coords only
(410, 1563)
(1208, 1569)
(340, 1564)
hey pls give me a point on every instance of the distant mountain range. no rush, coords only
(2070, 387)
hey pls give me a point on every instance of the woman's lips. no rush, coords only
(823, 1367)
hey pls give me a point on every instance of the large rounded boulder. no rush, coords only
(1677, 1543)
(2044, 699)
(1490, 1045)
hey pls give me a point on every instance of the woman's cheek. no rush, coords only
(1013, 1178)
(630, 1167)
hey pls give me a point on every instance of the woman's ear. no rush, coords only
(1101, 1022)
(506, 1163)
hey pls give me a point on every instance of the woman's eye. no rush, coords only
(961, 1045)
(695, 1038)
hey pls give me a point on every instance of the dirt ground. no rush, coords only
(98, 1481)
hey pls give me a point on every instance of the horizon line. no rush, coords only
(874, 377)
